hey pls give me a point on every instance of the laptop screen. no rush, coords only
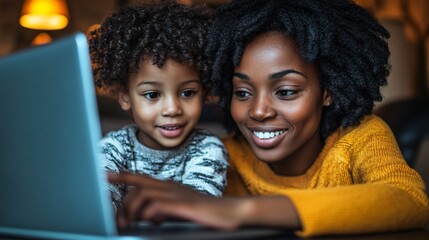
(50, 182)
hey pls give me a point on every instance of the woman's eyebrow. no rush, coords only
(241, 76)
(285, 72)
(272, 76)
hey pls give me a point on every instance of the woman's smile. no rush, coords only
(268, 139)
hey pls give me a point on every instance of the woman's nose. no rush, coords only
(171, 107)
(262, 108)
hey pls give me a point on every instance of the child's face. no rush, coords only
(165, 102)
(277, 103)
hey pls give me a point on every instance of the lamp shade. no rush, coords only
(44, 14)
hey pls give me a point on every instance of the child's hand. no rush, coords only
(157, 201)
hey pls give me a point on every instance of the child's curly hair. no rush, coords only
(345, 41)
(156, 32)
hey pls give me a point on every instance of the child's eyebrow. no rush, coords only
(192, 80)
(142, 83)
(147, 83)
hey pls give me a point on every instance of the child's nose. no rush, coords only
(171, 107)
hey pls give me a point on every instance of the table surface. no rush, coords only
(174, 232)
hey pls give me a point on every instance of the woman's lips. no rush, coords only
(267, 139)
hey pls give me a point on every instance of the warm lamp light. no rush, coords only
(44, 14)
(41, 38)
(186, 2)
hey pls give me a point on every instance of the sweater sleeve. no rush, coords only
(112, 160)
(386, 195)
(206, 169)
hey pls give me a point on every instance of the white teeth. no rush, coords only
(265, 135)
(171, 128)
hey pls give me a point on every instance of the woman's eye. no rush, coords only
(151, 95)
(240, 94)
(286, 92)
(188, 93)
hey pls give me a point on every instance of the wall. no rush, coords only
(408, 22)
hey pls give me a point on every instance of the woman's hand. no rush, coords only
(157, 201)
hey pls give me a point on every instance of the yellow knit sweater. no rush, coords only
(359, 183)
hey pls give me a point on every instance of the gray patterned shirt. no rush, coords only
(200, 162)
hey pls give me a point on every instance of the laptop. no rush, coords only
(51, 184)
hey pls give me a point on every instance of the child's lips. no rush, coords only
(171, 131)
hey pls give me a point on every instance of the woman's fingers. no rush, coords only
(156, 200)
(208, 211)
(144, 190)
(121, 219)
(132, 203)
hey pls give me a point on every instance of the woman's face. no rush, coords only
(277, 103)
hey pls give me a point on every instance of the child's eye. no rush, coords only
(241, 95)
(188, 93)
(151, 95)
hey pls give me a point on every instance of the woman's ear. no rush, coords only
(124, 100)
(327, 98)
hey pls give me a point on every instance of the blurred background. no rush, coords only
(81, 15)
(406, 20)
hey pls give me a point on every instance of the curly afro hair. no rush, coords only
(156, 32)
(344, 40)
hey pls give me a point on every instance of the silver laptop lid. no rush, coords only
(51, 185)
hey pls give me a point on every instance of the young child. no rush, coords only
(151, 57)
(298, 80)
